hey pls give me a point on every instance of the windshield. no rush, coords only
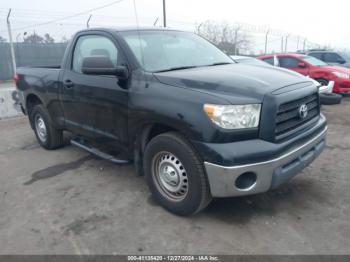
(314, 61)
(169, 50)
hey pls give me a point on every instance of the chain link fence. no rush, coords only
(28, 54)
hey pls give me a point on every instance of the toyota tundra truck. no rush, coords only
(197, 124)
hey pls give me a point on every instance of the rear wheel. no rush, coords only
(47, 135)
(175, 175)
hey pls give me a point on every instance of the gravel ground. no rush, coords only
(69, 202)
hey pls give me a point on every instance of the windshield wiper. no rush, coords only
(220, 63)
(175, 68)
(187, 67)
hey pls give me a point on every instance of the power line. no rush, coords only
(68, 17)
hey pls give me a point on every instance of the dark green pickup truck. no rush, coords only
(194, 122)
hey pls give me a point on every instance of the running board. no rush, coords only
(99, 153)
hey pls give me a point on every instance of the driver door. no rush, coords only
(95, 105)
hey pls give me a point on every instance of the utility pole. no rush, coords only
(11, 43)
(164, 14)
(298, 43)
(236, 36)
(282, 44)
(286, 44)
(88, 22)
(266, 37)
(304, 45)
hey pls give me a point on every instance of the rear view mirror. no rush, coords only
(102, 65)
(302, 65)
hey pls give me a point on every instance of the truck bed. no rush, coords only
(37, 77)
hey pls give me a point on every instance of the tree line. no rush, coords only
(229, 38)
(37, 39)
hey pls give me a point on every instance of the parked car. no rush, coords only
(332, 57)
(249, 60)
(197, 124)
(314, 68)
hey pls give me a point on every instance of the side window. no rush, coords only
(288, 62)
(269, 60)
(332, 57)
(93, 45)
(316, 55)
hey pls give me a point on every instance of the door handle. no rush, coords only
(68, 84)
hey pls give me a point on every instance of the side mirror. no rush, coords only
(302, 65)
(102, 65)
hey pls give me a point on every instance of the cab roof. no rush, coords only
(129, 28)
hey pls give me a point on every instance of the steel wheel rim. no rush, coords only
(40, 127)
(170, 176)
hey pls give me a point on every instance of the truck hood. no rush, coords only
(234, 81)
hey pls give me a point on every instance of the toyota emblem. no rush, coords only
(303, 111)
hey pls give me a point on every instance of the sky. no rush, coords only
(322, 22)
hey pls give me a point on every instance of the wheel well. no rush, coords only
(32, 100)
(154, 131)
(322, 80)
(148, 133)
(158, 129)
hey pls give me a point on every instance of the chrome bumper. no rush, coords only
(269, 174)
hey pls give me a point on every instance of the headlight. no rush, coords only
(341, 75)
(234, 116)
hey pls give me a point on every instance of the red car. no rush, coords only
(314, 68)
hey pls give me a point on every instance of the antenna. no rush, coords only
(138, 33)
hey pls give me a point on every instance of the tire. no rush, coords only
(322, 81)
(182, 187)
(330, 99)
(47, 135)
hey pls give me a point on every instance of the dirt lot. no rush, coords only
(68, 202)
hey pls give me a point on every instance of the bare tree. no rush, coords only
(229, 38)
(2, 40)
(33, 39)
(48, 39)
(37, 39)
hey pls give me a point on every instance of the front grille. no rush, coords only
(288, 118)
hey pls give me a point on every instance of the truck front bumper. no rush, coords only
(258, 177)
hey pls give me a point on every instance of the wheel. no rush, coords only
(175, 175)
(330, 99)
(47, 135)
(322, 81)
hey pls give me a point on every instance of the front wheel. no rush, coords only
(175, 175)
(322, 81)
